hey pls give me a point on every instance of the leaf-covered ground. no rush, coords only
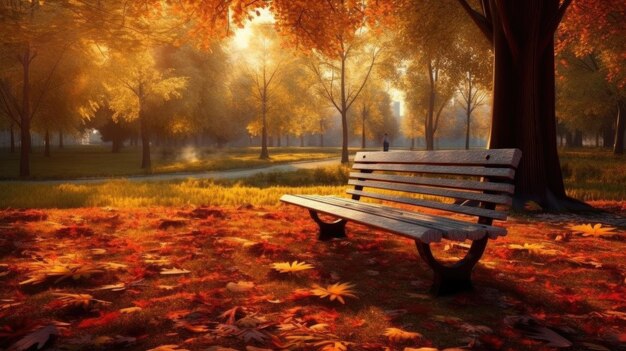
(208, 278)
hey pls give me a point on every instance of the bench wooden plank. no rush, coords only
(503, 157)
(415, 189)
(424, 234)
(473, 211)
(453, 229)
(506, 173)
(438, 182)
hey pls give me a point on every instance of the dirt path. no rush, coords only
(227, 174)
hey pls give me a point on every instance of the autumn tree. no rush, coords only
(523, 110)
(334, 33)
(31, 31)
(133, 85)
(372, 115)
(595, 30)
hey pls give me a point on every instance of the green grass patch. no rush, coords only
(594, 174)
(98, 161)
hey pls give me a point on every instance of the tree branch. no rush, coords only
(483, 23)
(369, 71)
(506, 28)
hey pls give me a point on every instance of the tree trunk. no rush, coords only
(264, 151)
(287, 140)
(608, 136)
(12, 132)
(428, 126)
(25, 140)
(363, 130)
(278, 140)
(524, 100)
(145, 141)
(60, 139)
(46, 148)
(302, 140)
(321, 139)
(116, 146)
(578, 138)
(467, 128)
(620, 127)
(413, 143)
(344, 114)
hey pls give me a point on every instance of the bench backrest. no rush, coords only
(485, 176)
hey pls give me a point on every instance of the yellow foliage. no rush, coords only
(335, 291)
(295, 266)
(593, 230)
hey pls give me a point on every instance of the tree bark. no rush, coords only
(620, 127)
(524, 99)
(46, 148)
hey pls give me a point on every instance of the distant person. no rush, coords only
(385, 143)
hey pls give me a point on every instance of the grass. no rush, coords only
(589, 174)
(594, 174)
(97, 161)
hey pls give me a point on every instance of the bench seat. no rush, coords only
(477, 184)
(417, 226)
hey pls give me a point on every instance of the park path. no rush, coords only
(226, 174)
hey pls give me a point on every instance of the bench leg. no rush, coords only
(450, 279)
(329, 230)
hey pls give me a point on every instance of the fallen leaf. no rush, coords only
(37, 338)
(295, 266)
(335, 291)
(399, 335)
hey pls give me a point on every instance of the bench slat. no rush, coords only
(453, 229)
(426, 235)
(438, 182)
(474, 211)
(506, 173)
(502, 157)
(466, 195)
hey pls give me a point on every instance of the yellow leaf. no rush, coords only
(593, 230)
(295, 266)
(334, 292)
(399, 335)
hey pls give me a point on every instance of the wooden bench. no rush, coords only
(473, 182)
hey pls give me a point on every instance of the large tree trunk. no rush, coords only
(25, 140)
(467, 128)
(60, 139)
(46, 148)
(524, 100)
(620, 127)
(302, 140)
